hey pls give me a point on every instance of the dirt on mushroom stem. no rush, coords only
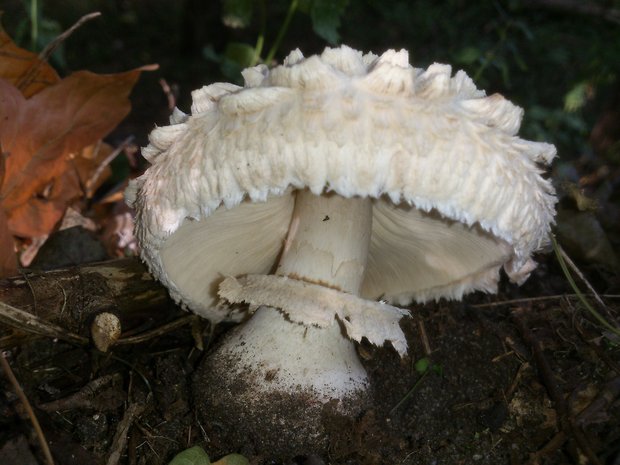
(276, 372)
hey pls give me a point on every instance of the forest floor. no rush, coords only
(506, 379)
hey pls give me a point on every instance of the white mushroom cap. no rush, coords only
(457, 194)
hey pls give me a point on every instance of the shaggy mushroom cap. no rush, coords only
(456, 195)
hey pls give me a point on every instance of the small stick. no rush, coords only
(28, 322)
(537, 299)
(120, 437)
(163, 329)
(554, 444)
(95, 176)
(28, 77)
(424, 337)
(54, 44)
(83, 397)
(553, 388)
(172, 101)
(578, 272)
(601, 402)
(24, 400)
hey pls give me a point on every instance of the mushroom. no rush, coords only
(322, 193)
(105, 330)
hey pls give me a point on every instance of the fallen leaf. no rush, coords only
(39, 134)
(8, 259)
(50, 140)
(24, 69)
(86, 163)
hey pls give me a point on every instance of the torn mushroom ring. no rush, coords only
(312, 304)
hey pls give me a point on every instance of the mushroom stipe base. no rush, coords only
(245, 418)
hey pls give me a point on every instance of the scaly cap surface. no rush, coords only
(442, 160)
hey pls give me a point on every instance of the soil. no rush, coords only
(533, 381)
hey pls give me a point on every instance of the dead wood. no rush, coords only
(70, 298)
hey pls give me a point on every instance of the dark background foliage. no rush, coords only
(558, 59)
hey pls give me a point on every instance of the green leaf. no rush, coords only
(233, 459)
(210, 54)
(235, 59)
(237, 14)
(421, 366)
(468, 55)
(242, 54)
(576, 97)
(192, 456)
(325, 15)
(305, 6)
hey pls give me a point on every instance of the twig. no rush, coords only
(515, 382)
(54, 44)
(95, 176)
(28, 322)
(578, 272)
(551, 383)
(24, 400)
(83, 397)
(28, 77)
(24, 275)
(582, 299)
(410, 393)
(172, 101)
(140, 374)
(160, 330)
(526, 300)
(601, 403)
(120, 437)
(424, 337)
(554, 444)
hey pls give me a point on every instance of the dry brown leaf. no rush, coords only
(8, 259)
(24, 69)
(40, 215)
(50, 139)
(85, 164)
(39, 134)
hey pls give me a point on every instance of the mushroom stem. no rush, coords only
(327, 245)
(328, 241)
(274, 354)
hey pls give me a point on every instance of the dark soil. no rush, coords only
(526, 382)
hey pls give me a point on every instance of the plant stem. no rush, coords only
(34, 24)
(571, 281)
(30, 412)
(410, 393)
(282, 32)
(260, 40)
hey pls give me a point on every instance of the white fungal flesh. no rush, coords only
(105, 330)
(276, 355)
(444, 192)
(247, 239)
(328, 245)
(315, 305)
(357, 125)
